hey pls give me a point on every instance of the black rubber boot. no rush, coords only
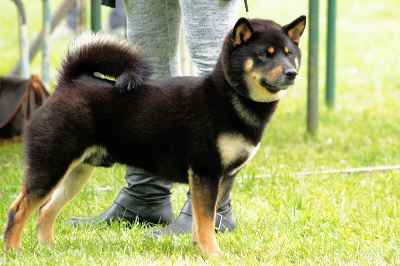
(145, 199)
(224, 220)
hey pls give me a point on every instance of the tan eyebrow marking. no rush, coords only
(271, 50)
(286, 49)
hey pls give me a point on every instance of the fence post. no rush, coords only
(23, 36)
(330, 54)
(312, 104)
(59, 14)
(45, 47)
(95, 15)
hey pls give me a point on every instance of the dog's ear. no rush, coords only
(242, 31)
(295, 29)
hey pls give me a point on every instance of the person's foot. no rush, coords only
(161, 213)
(224, 220)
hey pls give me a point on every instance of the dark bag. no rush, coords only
(19, 99)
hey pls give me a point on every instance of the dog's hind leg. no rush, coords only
(65, 192)
(37, 187)
(39, 184)
(204, 192)
(20, 211)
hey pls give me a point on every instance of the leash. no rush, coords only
(247, 9)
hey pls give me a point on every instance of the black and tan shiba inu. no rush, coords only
(196, 130)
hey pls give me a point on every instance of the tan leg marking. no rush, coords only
(194, 232)
(21, 210)
(68, 189)
(204, 219)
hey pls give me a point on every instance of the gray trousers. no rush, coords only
(154, 26)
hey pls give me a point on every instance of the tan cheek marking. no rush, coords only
(271, 50)
(248, 65)
(255, 74)
(286, 50)
(257, 92)
(296, 63)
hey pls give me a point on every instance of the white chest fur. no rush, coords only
(235, 148)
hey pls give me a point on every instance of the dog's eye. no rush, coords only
(289, 54)
(263, 56)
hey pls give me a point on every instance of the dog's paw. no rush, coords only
(213, 254)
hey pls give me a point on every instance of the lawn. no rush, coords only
(283, 218)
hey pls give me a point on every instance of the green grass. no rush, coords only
(281, 220)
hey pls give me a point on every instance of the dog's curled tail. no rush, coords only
(107, 54)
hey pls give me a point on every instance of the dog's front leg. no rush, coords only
(204, 192)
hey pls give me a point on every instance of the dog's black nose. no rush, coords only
(290, 73)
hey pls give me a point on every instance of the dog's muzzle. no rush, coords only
(287, 79)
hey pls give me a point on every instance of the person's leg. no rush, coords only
(71, 18)
(205, 25)
(154, 27)
(144, 199)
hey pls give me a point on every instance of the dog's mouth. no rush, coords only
(275, 88)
